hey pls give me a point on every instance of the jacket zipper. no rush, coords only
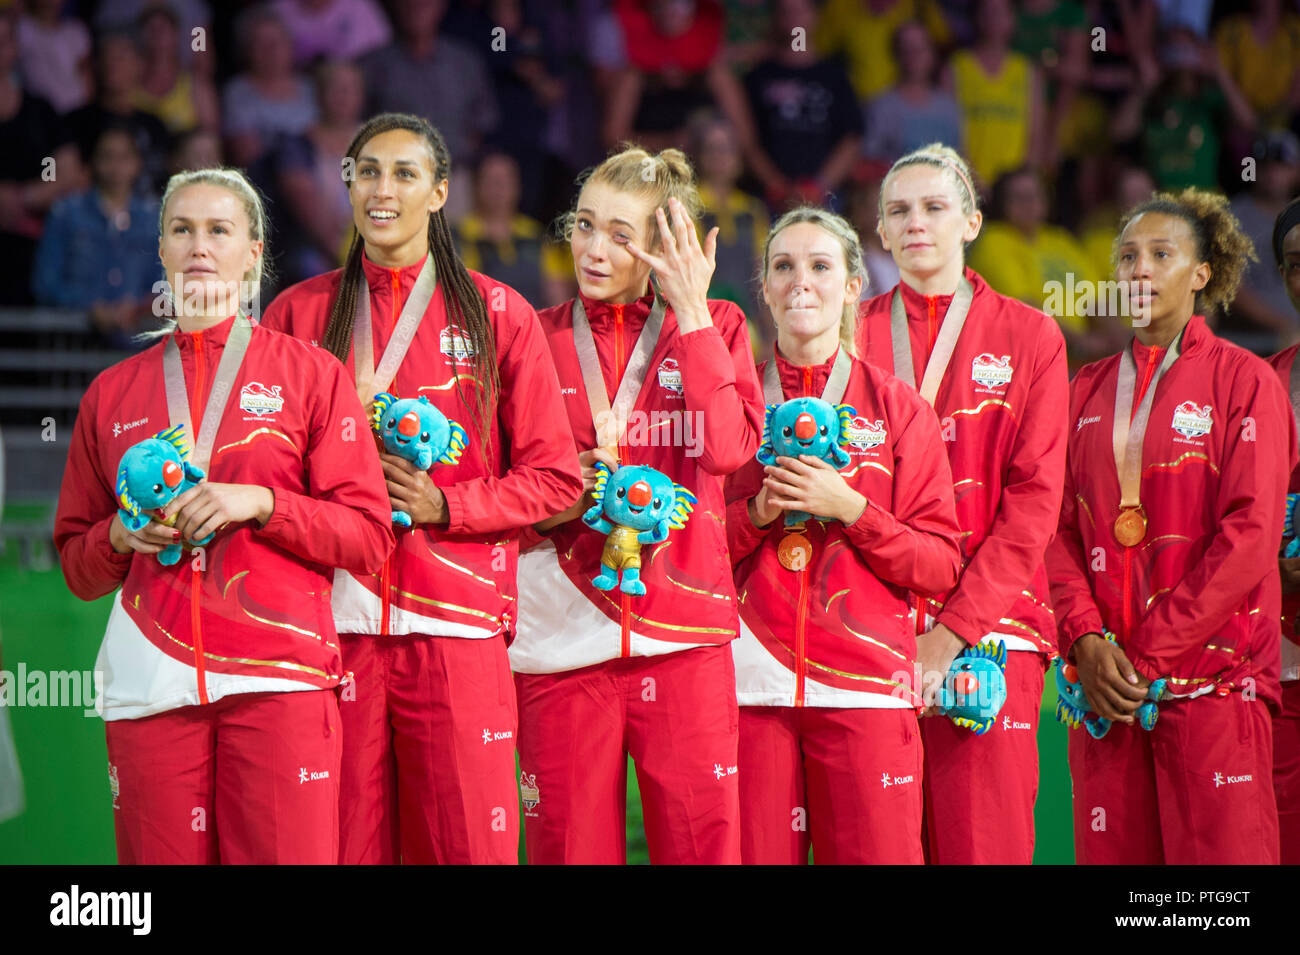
(196, 620)
(385, 573)
(801, 612)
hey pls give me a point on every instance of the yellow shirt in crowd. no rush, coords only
(1022, 269)
(996, 109)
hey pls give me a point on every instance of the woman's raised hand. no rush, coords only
(683, 269)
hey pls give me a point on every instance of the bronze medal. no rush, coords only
(1131, 526)
(795, 551)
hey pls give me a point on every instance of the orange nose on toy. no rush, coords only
(804, 426)
(172, 474)
(1070, 673)
(639, 494)
(965, 684)
(409, 426)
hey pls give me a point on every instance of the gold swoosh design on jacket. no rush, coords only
(843, 673)
(449, 385)
(838, 593)
(874, 642)
(1152, 598)
(281, 664)
(1020, 626)
(996, 402)
(681, 628)
(445, 605)
(455, 566)
(868, 464)
(1181, 458)
(967, 481)
(1034, 600)
(286, 626)
(253, 434)
(1189, 680)
(226, 589)
(694, 590)
(1088, 510)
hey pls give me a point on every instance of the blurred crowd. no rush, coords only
(1069, 112)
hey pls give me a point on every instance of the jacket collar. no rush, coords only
(1195, 334)
(378, 277)
(215, 335)
(916, 304)
(793, 380)
(601, 314)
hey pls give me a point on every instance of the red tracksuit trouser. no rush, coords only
(846, 780)
(1196, 790)
(1286, 771)
(250, 779)
(676, 715)
(980, 790)
(428, 752)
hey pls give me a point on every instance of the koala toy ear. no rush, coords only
(194, 474)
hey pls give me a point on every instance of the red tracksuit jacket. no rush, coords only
(256, 617)
(839, 632)
(1006, 447)
(703, 386)
(1198, 600)
(1284, 364)
(457, 580)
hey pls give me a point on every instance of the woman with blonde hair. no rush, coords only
(994, 371)
(658, 376)
(830, 749)
(222, 668)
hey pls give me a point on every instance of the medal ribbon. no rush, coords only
(836, 381)
(611, 422)
(178, 402)
(372, 381)
(944, 345)
(1126, 437)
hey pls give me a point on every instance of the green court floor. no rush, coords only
(68, 819)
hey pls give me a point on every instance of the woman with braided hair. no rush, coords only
(428, 752)
(1163, 566)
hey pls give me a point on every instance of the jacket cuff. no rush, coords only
(455, 508)
(281, 516)
(969, 632)
(1072, 630)
(100, 542)
(868, 525)
(751, 537)
(1146, 667)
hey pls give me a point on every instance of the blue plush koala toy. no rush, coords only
(635, 505)
(1289, 527)
(414, 429)
(975, 687)
(150, 475)
(1073, 706)
(805, 426)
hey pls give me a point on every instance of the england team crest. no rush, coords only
(1192, 420)
(991, 371)
(455, 344)
(256, 398)
(528, 791)
(670, 376)
(865, 435)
